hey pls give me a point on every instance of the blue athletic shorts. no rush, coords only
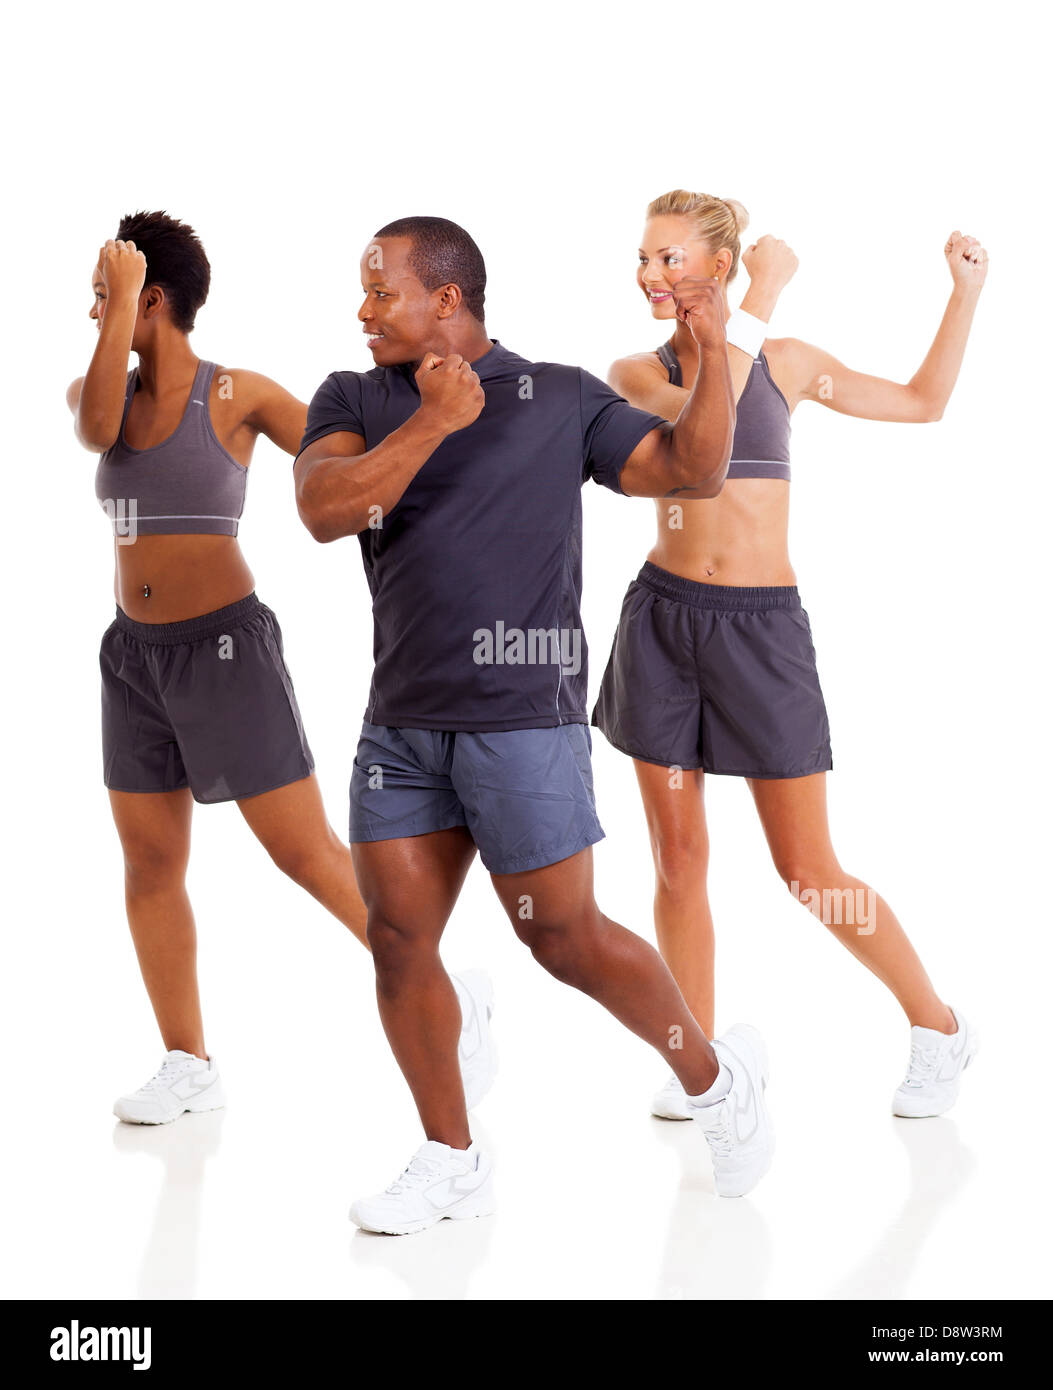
(525, 795)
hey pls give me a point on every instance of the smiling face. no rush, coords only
(398, 314)
(668, 252)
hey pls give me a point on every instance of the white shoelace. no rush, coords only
(923, 1064)
(164, 1077)
(715, 1127)
(417, 1175)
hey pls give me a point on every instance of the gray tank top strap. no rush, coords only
(669, 361)
(197, 419)
(129, 395)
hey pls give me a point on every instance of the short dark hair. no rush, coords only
(175, 260)
(444, 254)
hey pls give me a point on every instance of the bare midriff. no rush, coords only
(166, 579)
(738, 537)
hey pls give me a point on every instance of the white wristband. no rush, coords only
(746, 332)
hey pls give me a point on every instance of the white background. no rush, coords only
(863, 136)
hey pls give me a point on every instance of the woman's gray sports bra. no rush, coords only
(761, 447)
(187, 485)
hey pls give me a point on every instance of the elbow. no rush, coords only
(318, 525)
(926, 410)
(321, 520)
(709, 483)
(709, 486)
(314, 517)
(712, 487)
(95, 434)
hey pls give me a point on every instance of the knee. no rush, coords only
(557, 949)
(151, 867)
(680, 862)
(308, 863)
(393, 942)
(804, 873)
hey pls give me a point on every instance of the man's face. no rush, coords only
(398, 314)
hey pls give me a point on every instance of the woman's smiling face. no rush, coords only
(668, 252)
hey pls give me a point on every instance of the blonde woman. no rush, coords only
(713, 668)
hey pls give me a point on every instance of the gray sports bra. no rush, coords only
(761, 447)
(187, 485)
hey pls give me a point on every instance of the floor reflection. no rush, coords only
(169, 1264)
(940, 1166)
(715, 1247)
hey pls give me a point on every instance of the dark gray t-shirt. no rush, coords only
(476, 573)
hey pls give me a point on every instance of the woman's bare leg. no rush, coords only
(676, 820)
(154, 828)
(794, 815)
(292, 826)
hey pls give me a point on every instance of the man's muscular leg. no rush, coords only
(575, 942)
(409, 887)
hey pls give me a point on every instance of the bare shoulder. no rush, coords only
(253, 396)
(784, 351)
(792, 363)
(73, 391)
(237, 383)
(637, 367)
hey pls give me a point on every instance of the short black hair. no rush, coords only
(444, 254)
(175, 260)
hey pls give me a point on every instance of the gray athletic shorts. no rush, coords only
(205, 704)
(525, 795)
(714, 677)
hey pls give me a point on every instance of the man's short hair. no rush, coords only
(444, 254)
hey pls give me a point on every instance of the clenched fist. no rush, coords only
(449, 391)
(770, 264)
(700, 304)
(123, 268)
(967, 260)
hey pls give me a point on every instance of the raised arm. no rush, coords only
(815, 375)
(97, 398)
(340, 484)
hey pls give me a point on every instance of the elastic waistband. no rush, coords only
(727, 596)
(191, 629)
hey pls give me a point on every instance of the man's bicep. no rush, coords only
(646, 470)
(340, 444)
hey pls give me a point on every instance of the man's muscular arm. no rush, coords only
(691, 459)
(339, 482)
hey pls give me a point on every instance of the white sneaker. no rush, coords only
(934, 1076)
(439, 1184)
(476, 1051)
(184, 1082)
(670, 1103)
(738, 1128)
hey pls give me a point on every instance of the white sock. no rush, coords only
(717, 1091)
